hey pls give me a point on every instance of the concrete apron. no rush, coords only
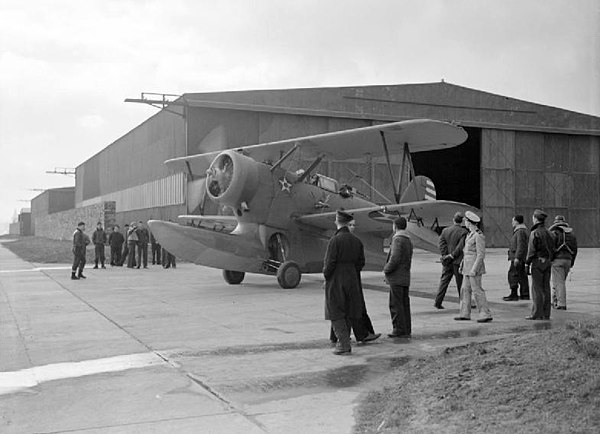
(180, 351)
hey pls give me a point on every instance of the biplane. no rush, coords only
(281, 219)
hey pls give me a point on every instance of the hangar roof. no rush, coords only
(442, 101)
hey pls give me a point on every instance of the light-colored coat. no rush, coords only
(474, 254)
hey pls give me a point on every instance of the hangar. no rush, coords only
(519, 155)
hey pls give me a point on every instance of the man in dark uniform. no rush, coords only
(80, 241)
(143, 239)
(156, 248)
(125, 251)
(397, 275)
(362, 327)
(451, 244)
(115, 241)
(539, 258)
(99, 240)
(517, 253)
(344, 259)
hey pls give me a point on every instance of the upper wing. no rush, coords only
(420, 135)
(377, 219)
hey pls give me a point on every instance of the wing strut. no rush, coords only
(285, 157)
(389, 164)
(311, 168)
(406, 158)
(189, 168)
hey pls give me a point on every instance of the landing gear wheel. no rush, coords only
(288, 275)
(233, 277)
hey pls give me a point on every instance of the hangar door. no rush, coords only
(522, 171)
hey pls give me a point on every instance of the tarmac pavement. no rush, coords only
(179, 350)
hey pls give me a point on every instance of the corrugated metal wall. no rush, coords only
(132, 160)
(167, 191)
(522, 171)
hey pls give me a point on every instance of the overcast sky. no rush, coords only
(66, 66)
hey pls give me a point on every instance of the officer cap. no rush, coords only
(343, 217)
(472, 217)
(540, 215)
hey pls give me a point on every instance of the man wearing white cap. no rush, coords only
(473, 268)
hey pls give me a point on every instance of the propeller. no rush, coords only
(220, 175)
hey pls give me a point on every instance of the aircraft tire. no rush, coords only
(289, 275)
(233, 277)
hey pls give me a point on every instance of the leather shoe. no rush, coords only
(511, 298)
(342, 351)
(461, 318)
(561, 307)
(533, 318)
(81, 276)
(371, 337)
(439, 306)
(396, 335)
(484, 319)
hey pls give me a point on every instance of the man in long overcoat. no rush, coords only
(344, 259)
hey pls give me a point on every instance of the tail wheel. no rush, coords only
(288, 275)
(233, 277)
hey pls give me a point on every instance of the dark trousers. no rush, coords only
(342, 331)
(142, 255)
(361, 327)
(168, 259)
(78, 259)
(115, 255)
(517, 277)
(540, 288)
(131, 254)
(400, 310)
(447, 272)
(99, 250)
(124, 253)
(156, 253)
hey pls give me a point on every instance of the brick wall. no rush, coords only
(61, 225)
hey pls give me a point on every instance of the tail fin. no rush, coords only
(420, 188)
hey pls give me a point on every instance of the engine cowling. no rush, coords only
(232, 179)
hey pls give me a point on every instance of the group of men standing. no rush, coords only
(546, 254)
(123, 248)
(344, 299)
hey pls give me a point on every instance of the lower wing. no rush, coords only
(425, 218)
(209, 247)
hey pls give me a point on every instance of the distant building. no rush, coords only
(519, 155)
(52, 201)
(23, 224)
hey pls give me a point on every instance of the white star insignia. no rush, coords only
(285, 185)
